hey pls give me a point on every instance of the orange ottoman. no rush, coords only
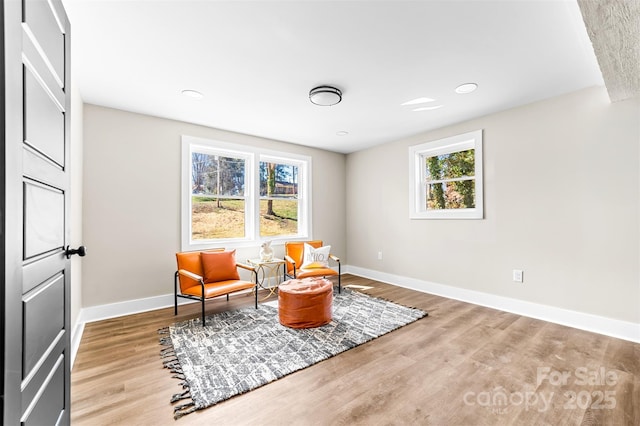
(305, 303)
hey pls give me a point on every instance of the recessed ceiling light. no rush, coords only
(418, 101)
(466, 88)
(428, 108)
(193, 94)
(342, 133)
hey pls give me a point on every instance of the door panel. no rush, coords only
(41, 21)
(48, 408)
(32, 384)
(43, 321)
(44, 121)
(43, 219)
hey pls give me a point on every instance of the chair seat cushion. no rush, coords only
(315, 272)
(218, 289)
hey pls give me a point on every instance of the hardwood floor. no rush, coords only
(462, 365)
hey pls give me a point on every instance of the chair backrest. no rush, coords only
(191, 261)
(295, 250)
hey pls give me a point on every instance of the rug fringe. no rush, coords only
(183, 410)
(167, 352)
(180, 396)
(170, 361)
(167, 359)
(175, 368)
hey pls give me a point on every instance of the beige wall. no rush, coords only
(75, 215)
(562, 196)
(131, 201)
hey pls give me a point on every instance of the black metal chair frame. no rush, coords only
(203, 299)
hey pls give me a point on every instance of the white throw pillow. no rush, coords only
(315, 257)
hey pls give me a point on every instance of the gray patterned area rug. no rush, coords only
(243, 349)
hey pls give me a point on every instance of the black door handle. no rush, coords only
(80, 251)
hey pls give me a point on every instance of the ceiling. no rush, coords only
(255, 62)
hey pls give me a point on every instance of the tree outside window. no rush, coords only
(278, 199)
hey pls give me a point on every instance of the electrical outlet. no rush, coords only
(379, 255)
(518, 275)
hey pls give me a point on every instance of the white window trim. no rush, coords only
(417, 184)
(252, 193)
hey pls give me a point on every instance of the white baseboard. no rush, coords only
(128, 307)
(583, 321)
(76, 337)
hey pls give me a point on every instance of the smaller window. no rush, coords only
(446, 178)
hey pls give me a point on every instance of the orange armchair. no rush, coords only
(294, 253)
(202, 275)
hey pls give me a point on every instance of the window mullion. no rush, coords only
(251, 194)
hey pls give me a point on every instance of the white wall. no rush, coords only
(562, 198)
(131, 201)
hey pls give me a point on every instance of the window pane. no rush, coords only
(278, 180)
(450, 166)
(278, 217)
(217, 175)
(216, 218)
(451, 195)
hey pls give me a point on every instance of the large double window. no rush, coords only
(235, 195)
(446, 178)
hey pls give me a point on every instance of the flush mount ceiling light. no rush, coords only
(342, 133)
(193, 94)
(325, 95)
(466, 88)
